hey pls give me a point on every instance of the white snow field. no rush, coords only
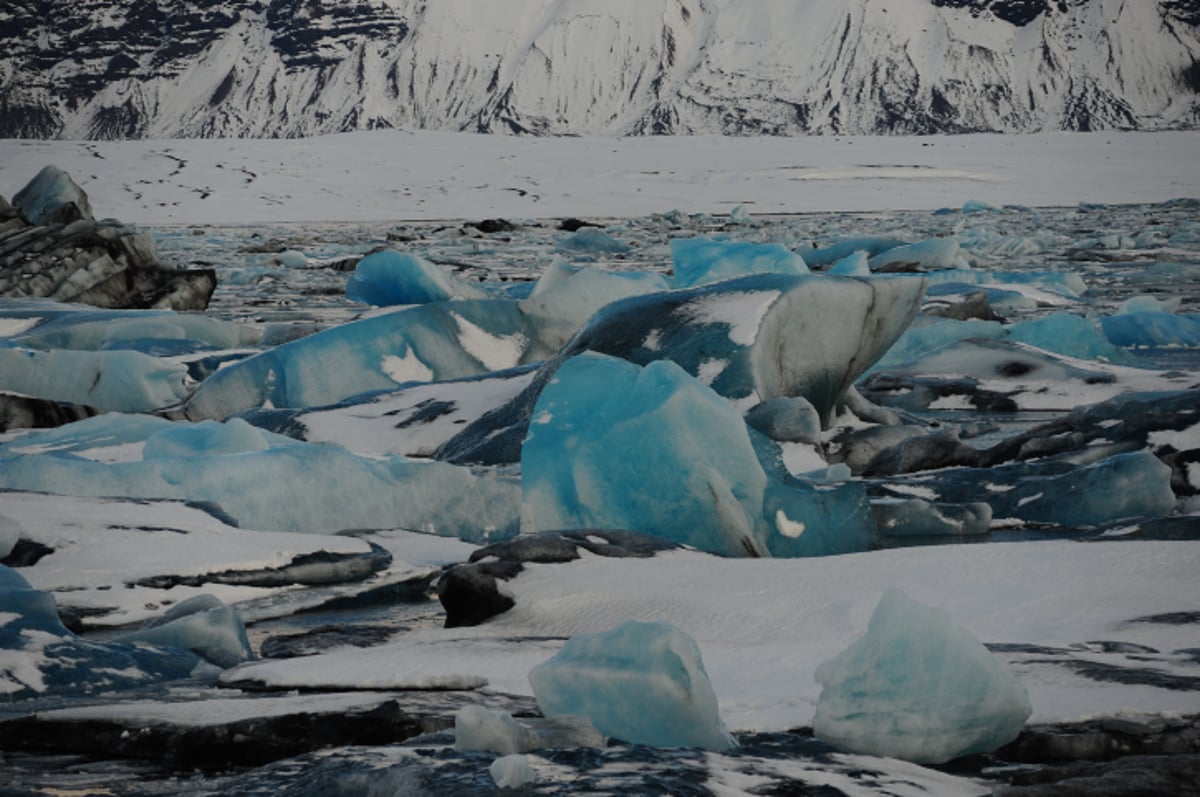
(392, 174)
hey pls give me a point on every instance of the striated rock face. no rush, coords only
(51, 247)
(285, 68)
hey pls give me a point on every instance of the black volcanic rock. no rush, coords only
(51, 247)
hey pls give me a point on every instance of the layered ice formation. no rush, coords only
(265, 481)
(917, 686)
(642, 683)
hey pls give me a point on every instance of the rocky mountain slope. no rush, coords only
(283, 68)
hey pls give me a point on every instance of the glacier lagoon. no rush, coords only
(1074, 604)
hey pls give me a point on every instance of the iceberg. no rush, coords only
(565, 297)
(479, 728)
(699, 261)
(642, 683)
(389, 277)
(615, 445)
(286, 486)
(870, 245)
(590, 240)
(202, 624)
(934, 254)
(425, 343)
(1151, 329)
(764, 336)
(512, 772)
(120, 381)
(52, 196)
(39, 656)
(917, 686)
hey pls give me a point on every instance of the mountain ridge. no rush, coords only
(291, 68)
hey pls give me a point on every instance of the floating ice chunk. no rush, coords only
(10, 532)
(790, 419)
(808, 519)
(55, 325)
(917, 686)
(122, 381)
(915, 517)
(305, 487)
(646, 449)
(699, 260)
(1070, 335)
(871, 245)
(479, 728)
(203, 625)
(207, 438)
(566, 297)
(642, 683)
(512, 772)
(52, 196)
(1152, 329)
(447, 340)
(592, 241)
(390, 278)
(1148, 304)
(38, 656)
(781, 335)
(290, 258)
(930, 255)
(975, 206)
(855, 264)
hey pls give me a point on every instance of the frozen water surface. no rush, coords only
(972, 415)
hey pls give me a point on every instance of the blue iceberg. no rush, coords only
(425, 343)
(389, 277)
(39, 656)
(642, 683)
(917, 686)
(614, 445)
(1152, 329)
(121, 381)
(699, 261)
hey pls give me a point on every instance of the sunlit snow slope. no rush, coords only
(286, 68)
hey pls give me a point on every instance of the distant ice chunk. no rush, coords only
(390, 277)
(976, 206)
(870, 245)
(565, 297)
(202, 624)
(512, 772)
(933, 254)
(855, 264)
(1152, 329)
(1148, 304)
(642, 683)
(479, 728)
(615, 445)
(917, 686)
(699, 260)
(591, 240)
(121, 381)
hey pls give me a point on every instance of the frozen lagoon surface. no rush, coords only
(1097, 621)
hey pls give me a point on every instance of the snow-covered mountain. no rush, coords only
(284, 68)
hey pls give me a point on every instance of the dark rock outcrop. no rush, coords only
(51, 247)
